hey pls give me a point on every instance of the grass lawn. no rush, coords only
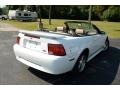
(111, 28)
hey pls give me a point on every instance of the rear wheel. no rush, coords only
(81, 63)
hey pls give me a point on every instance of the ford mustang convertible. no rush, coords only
(64, 49)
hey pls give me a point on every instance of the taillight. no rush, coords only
(17, 40)
(56, 49)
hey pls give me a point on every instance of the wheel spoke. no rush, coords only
(81, 65)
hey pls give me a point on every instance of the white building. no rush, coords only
(22, 15)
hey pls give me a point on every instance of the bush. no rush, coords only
(112, 14)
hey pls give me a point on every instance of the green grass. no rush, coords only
(111, 28)
(34, 25)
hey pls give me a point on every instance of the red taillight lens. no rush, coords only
(17, 40)
(56, 49)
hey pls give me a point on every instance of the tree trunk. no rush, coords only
(90, 11)
(90, 15)
(50, 15)
(40, 25)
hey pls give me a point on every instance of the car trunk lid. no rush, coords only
(38, 41)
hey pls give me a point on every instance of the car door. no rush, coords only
(95, 39)
(101, 37)
(93, 42)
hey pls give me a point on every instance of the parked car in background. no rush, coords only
(3, 17)
(22, 15)
(68, 48)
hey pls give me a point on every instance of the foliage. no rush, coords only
(1, 11)
(79, 12)
(112, 14)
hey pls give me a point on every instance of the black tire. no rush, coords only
(107, 45)
(81, 63)
(3, 18)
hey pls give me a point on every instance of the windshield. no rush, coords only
(81, 28)
(79, 25)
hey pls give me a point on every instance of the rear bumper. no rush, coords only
(43, 62)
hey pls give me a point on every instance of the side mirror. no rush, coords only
(102, 32)
(60, 29)
(91, 33)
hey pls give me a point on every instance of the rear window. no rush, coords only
(25, 14)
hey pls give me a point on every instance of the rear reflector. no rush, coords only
(56, 49)
(17, 40)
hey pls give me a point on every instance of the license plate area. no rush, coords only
(33, 45)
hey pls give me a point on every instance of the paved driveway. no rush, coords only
(103, 69)
(7, 27)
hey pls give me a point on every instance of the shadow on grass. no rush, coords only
(117, 30)
(99, 71)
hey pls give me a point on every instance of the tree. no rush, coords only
(98, 11)
(79, 12)
(38, 8)
(90, 13)
(21, 7)
(5, 10)
(1, 12)
(112, 14)
(13, 7)
(50, 15)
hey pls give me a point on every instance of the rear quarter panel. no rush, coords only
(74, 47)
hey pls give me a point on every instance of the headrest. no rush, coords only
(79, 31)
(60, 28)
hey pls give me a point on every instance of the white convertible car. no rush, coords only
(67, 48)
